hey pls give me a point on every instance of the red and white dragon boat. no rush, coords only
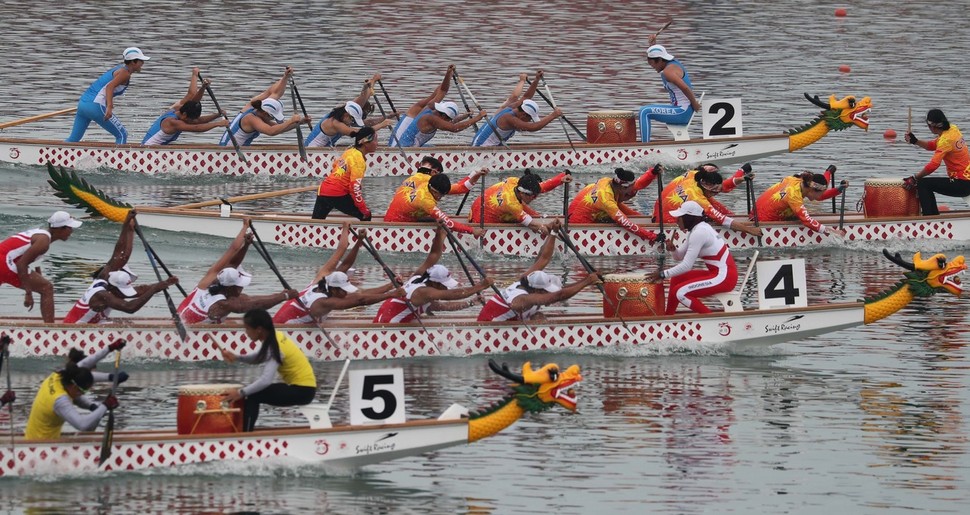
(345, 446)
(284, 160)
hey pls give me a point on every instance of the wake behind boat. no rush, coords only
(783, 315)
(284, 160)
(207, 432)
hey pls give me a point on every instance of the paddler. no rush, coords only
(700, 186)
(263, 114)
(184, 116)
(519, 113)
(346, 119)
(57, 401)
(427, 116)
(508, 201)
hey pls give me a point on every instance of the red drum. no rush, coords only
(887, 198)
(631, 295)
(203, 410)
(611, 127)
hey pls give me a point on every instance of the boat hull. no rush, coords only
(514, 240)
(284, 160)
(360, 339)
(347, 447)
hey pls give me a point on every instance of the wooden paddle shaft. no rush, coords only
(35, 118)
(244, 198)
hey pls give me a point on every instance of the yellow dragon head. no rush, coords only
(840, 114)
(930, 275)
(539, 389)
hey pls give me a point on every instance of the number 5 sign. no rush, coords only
(377, 396)
(722, 118)
(781, 284)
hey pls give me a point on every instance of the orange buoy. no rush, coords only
(889, 134)
(845, 68)
(840, 12)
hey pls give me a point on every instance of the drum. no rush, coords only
(611, 127)
(202, 409)
(888, 197)
(631, 295)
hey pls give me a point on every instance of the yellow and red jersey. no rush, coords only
(502, 205)
(597, 203)
(684, 188)
(417, 204)
(345, 178)
(784, 201)
(950, 149)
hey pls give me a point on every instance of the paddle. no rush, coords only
(296, 93)
(261, 250)
(397, 142)
(565, 205)
(831, 170)
(179, 326)
(749, 186)
(154, 254)
(561, 122)
(365, 240)
(478, 106)
(244, 198)
(548, 101)
(36, 117)
(461, 93)
(842, 209)
(109, 428)
(299, 130)
(5, 355)
(232, 137)
(660, 212)
(589, 269)
(655, 34)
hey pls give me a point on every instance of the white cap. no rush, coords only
(131, 53)
(532, 109)
(441, 275)
(688, 208)
(449, 109)
(659, 51)
(234, 277)
(355, 112)
(63, 219)
(122, 279)
(340, 280)
(543, 281)
(273, 108)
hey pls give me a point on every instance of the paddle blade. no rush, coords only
(106, 441)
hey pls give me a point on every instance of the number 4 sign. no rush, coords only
(781, 284)
(377, 396)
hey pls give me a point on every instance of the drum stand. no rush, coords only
(223, 410)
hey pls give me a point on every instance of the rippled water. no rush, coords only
(869, 420)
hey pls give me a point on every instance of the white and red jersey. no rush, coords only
(703, 242)
(12, 249)
(498, 310)
(82, 313)
(396, 311)
(292, 312)
(195, 308)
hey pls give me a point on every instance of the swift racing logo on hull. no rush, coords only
(785, 327)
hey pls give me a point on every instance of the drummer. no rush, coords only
(786, 200)
(430, 288)
(220, 291)
(516, 114)
(948, 148)
(331, 288)
(688, 286)
(57, 401)
(184, 116)
(26, 249)
(263, 114)
(602, 202)
(425, 117)
(700, 186)
(344, 120)
(278, 355)
(508, 201)
(535, 288)
(113, 286)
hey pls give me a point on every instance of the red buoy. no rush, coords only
(889, 134)
(840, 12)
(845, 68)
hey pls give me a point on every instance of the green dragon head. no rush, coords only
(932, 275)
(541, 389)
(840, 114)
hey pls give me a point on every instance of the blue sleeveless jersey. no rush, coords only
(486, 131)
(155, 131)
(92, 92)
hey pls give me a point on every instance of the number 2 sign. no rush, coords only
(781, 284)
(722, 118)
(377, 396)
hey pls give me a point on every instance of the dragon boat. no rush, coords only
(284, 160)
(346, 337)
(346, 446)
(500, 239)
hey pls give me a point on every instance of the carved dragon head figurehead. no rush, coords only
(837, 114)
(925, 278)
(538, 390)
(78, 192)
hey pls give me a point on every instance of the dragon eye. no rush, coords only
(851, 102)
(553, 374)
